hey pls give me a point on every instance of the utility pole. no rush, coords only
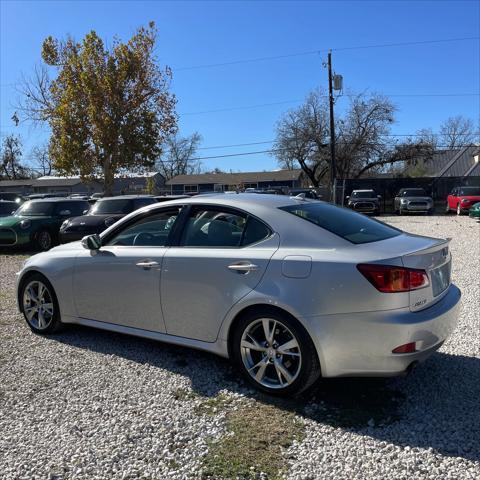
(333, 173)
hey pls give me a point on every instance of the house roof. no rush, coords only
(15, 183)
(236, 178)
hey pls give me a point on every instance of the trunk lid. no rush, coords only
(436, 260)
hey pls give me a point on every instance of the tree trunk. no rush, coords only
(108, 178)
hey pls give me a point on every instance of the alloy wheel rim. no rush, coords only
(38, 305)
(271, 353)
(44, 240)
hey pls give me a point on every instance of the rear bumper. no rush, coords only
(361, 344)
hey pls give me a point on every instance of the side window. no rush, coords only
(213, 228)
(142, 202)
(150, 231)
(254, 232)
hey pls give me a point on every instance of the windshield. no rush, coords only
(35, 209)
(343, 222)
(368, 194)
(110, 207)
(470, 191)
(414, 192)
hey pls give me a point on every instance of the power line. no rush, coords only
(283, 102)
(277, 150)
(318, 51)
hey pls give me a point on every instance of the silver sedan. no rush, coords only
(289, 289)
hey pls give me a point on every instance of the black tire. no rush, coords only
(309, 368)
(44, 240)
(459, 209)
(52, 322)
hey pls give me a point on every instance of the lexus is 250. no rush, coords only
(290, 289)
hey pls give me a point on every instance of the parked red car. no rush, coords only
(462, 198)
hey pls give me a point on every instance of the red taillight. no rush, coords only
(392, 279)
(406, 348)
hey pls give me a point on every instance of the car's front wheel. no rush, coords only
(275, 353)
(459, 209)
(39, 304)
(44, 240)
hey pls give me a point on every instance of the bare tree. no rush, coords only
(178, 156)
(302, 138)
(41, 159)
(11, 167)
(456, 132)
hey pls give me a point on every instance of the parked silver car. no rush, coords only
(413, 200)
(288, 288)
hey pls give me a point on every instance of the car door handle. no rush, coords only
(243, 267)
(147, 264)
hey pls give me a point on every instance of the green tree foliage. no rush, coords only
(109, 109)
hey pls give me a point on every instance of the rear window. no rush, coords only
(343, 222)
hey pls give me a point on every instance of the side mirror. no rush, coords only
(348, 197)
(85, 212)
(92, 242)
(65, 213)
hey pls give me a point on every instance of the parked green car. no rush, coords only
(37, 222)
(474, 211)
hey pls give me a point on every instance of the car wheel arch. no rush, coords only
(266, 309)
(23, 279)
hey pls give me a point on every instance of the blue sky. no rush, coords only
(205, 33)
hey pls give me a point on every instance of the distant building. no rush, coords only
(125, 183)
(220, 182)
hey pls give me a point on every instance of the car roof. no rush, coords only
(239, 200)
(119, 197)
(55, 200)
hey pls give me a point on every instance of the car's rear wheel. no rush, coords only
(39, 304)
(275, 353)
(44, 240)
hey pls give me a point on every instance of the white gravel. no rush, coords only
(87, 404)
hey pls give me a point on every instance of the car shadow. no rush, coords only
(441, 395)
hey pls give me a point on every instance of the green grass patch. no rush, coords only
(257, 435)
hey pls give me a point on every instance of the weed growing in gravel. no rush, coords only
(213, 405)
(185, 394)
(253, 447)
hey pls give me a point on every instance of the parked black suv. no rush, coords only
(105, 212)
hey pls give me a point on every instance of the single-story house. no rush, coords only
(124, 183)
(219, 182)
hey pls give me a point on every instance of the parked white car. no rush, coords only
(288, 288)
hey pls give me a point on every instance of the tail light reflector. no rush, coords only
(406, 348)
(393, 279)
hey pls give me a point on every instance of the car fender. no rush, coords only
(58, 273)
(257, 299)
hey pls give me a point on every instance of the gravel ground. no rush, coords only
(91, 404)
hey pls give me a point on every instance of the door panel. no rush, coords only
(198, 288)
(110, 287)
